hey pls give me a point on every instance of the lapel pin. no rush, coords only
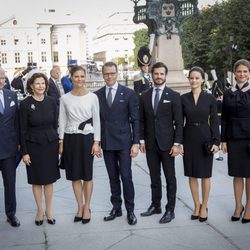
(33, 106)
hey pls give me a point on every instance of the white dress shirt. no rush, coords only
(113, 91)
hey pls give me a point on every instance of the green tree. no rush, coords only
(206, 37)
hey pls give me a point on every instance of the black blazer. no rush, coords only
(235, 119)
(166, 126)
(53, 91)
(38, 121)
(120, 122)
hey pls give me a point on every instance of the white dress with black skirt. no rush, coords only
(79, 127)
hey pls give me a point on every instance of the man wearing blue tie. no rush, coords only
(119, 113)
(8, 148)
(161, 135)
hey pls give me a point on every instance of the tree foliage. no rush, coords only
(207, 38)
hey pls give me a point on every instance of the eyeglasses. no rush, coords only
(109, 74)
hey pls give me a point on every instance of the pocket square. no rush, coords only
(166, 101)
(122, 100)
(12, 103)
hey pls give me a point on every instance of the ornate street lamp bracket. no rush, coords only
(164, 17)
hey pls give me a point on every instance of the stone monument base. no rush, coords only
(169, 51)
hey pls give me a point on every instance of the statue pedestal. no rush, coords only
(169, 52)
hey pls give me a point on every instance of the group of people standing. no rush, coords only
(117, 123)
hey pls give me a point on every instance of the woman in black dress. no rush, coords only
(201, 129)
(235, 136)
(39, 141)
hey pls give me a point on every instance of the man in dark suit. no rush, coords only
(119, 111)
(161, 125)
(55, 87)
(8, 148)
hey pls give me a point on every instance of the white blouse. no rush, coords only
(77, 109)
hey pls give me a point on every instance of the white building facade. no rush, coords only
(45, 44)
(115, 38)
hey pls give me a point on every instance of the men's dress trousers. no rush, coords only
(157, 99)
(109, 97)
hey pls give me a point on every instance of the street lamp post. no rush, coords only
(233, 47)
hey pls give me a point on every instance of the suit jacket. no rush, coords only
(53, 91)
(39, 121)
(120, 122)
(9, 129)
(166, 126)
(67, 84)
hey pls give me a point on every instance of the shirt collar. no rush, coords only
(160, 87)
(115, 86)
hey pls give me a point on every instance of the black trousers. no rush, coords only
(156, 158)
(118, 164)
(8, 168)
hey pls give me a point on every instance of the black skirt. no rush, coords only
(238, 158)
(77, 158)
(43, 169)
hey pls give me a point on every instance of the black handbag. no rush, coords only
(207, 147)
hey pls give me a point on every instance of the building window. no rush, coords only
(16, 41)
(30, 57)
(68, 38)
(43, 56)
(29, 40)
(3, 42)
(43, 41)
(17, 57)
(4, 58)
(56, 57)
(69, 55)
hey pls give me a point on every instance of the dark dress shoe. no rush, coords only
(151, 210)
(167, 217)
(38, 222)
(77, 219)
(203, 219)
(244, 221)
(234, 218)
(51, 221)
(85, 221)
(113, 214)
(14, 222)
(131, 218)
(194, 217)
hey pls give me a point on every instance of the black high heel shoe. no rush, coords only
(243, 220)
(38, 222)
(50, 221)
(203, 219)
(196, 217)
(85, 221)
(234, 218)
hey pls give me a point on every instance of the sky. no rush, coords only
(91, 12)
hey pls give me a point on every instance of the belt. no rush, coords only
(196, 124)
